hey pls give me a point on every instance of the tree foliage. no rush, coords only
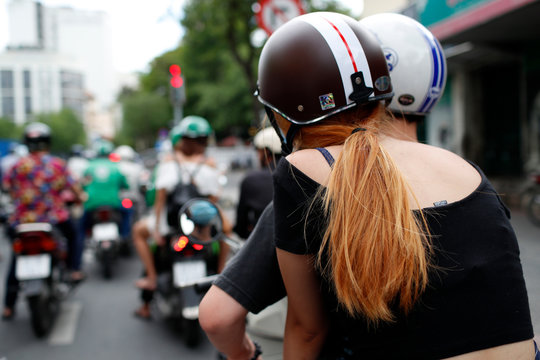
(9, 130)
(66, 130)
(145, 113)
(219, 67)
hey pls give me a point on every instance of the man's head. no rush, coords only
(103, 148)
(191, 135)
(126, 153)
(37, 137)
(268, 146)
(415, 60)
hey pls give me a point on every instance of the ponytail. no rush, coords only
(377, 249)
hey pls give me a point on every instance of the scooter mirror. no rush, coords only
(200, 221)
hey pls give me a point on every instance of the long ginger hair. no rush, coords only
(375, 250)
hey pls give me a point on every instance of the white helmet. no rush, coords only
(269, 139)
(125, 152)
(415, 60)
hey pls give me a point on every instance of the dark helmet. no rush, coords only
(37, 136)
(319, 64)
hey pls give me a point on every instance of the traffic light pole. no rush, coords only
(177, 113)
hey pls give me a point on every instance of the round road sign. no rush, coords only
(274, 13)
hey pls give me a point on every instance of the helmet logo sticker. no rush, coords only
(406, 99)
(391, 58)
(327, 101)
(382, 83)
(434, 92)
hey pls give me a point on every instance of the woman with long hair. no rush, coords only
(388, 248)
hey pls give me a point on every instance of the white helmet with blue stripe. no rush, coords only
(415, 60)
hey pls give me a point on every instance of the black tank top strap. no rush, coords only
(327, 156)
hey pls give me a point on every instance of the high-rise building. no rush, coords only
(56, 57)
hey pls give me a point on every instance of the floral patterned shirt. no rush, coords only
(35, 184)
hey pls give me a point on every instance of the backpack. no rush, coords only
(179, 196)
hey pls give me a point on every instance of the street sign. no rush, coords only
(274, 13)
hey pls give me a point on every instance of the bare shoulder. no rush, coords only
(436, 174)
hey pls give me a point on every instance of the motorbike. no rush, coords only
(40, 269)
(105, 237)
(192, 260)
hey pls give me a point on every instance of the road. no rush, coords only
(97, 322)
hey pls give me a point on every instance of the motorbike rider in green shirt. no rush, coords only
(103, 183)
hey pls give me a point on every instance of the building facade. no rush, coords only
(490, 111)
(57, 57)
(33, 81)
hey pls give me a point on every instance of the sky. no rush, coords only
(140, 29)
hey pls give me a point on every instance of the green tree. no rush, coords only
(145, 113)
(220, 61)
(66, 130)
(219, 66)
(9, 130)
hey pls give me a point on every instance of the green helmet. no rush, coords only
(191, 127)
(103, 147)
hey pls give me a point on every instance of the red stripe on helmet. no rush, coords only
(346, 44)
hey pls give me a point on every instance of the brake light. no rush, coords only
(127, 203)
(181, 243)
(104, 215)
(34, 244)
(197, 247)
(114, 157)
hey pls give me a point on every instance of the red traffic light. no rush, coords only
(177, 81)
(175, 70)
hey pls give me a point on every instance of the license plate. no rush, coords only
(106, 231)
(33, 267)
(187, 272)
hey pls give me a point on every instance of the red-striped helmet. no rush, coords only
(319, 64)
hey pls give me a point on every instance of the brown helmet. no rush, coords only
(319, 64)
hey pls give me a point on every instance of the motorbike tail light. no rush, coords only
(104, 215)
(17, 246)
(127, 203)
(114, 157)
(536, 178)
(34, 244)
(181, 243)
(197, 247)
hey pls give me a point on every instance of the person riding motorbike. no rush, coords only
(418, 53)
(132, 170)
(188, 164)
(256, 188)
(103, 182)
(35, 183)
(77, 162)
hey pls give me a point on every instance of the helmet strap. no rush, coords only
(285, 139)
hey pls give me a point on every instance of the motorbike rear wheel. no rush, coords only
(107, 264)
(42, 312)
(192, 333)
(533, 209)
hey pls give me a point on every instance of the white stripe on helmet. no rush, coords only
(341, 39)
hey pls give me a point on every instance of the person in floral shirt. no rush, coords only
(37, 183)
